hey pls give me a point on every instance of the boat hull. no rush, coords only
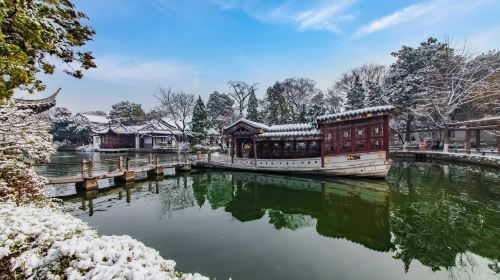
(370, 165)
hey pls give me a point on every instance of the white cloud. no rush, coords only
(304, 15)
(324, 18)
(119, 69)
(404, 15)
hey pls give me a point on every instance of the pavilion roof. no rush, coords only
(250, 123)
(37, 105)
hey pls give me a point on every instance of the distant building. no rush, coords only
(155, 135)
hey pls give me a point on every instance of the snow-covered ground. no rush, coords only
(41, 242)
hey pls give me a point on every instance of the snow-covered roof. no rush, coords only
(250, 123)
(291, 127)
(94, 118)
(120, 129)
(375, 109)
(154, 126)
(312, 132)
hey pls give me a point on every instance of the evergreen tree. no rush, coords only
(376, 95)
(277, 110)
(252, 109)
(65, 127)
(317, 107)
(356, 95)
(199, 122)
(220, 110)
(127, 113)
(302, 117)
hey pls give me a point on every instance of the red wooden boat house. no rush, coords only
(351, 143)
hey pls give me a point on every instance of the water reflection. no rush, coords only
(444, 217)
(439, 215)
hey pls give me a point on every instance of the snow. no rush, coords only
(356, 112)
(41, 242)
(94, 119)
(250, 123)
(291, 127)
(313, 132)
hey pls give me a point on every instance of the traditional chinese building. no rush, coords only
(154, 135)
(354, 143)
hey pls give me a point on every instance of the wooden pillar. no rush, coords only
(254, 152)
(467, 141)
(150, 160)
(84, 168)
(322, 148)
(232, 149)
(478, 140)
(157, 160)
(91, 168)
(386, 136)
(120, 163)
(128, 174)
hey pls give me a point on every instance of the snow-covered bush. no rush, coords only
(44, 243)
(24, 140)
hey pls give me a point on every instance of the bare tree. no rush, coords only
(453, 79)
(368, 74)
(241, 91)
(176, 105)
(298, 94)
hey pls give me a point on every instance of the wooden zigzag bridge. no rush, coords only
(88, 180)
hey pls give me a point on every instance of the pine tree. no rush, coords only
(127, 113)
(199, 122)
(317, 107)
(375, 95)
(252, 109)
(356, 95)
(277, 110)
(220, 110)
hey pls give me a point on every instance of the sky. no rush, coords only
(197, 46)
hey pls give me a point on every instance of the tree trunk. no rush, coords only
(446, 138)
(409, 119)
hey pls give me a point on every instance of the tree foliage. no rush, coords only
(220, 110)
(356, 95)
(24, 141)
(277, 110)
(67, 128)
(252, 110)
(127, 113)
(200, 122)
(33, 34)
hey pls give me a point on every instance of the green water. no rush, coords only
(426, 221)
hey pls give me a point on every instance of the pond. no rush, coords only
(426, 221)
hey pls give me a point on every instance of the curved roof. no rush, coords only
(353, 113)
(37, 105)
(250, 123)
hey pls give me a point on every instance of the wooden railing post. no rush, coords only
(120, 163)
(91, 168)
(150, 158)
(84, 168)
(129, 162)
(157, 160)
(209, 156)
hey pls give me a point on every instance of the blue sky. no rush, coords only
(198, 45)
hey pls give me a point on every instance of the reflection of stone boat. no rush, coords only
(342, 209)
(352, 143)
